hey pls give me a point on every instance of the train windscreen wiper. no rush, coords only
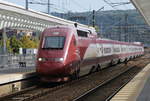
(51, 48)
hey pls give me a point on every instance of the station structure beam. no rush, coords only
(143, 7)
(14, 16)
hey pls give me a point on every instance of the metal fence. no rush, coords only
(17, 61)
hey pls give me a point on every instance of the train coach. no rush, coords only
(69, 52)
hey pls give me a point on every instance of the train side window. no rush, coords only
(82, 33)
(116, 49)
(107, 50)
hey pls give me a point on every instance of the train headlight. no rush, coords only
(59, 59)
(41, 59)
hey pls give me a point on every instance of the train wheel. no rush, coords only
(98, 68)
(93, 69)
(112, 63)
(126, 61)
(76, 73)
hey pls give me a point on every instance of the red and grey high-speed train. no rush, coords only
(66, 52)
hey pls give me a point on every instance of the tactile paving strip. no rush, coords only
(132, 90)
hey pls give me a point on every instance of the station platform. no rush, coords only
(15, 79)
(138, 89)
(15, 74)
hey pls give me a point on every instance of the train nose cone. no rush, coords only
(50, 68)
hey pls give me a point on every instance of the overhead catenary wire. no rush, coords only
(59, 9)
(115, 4)
(111, 4)
(77, 4)
(45, 2)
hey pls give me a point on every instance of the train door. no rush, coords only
(99, 48)
(99, 52)
(88, 51)
(107, 55)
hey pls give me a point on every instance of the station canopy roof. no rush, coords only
(144, 7)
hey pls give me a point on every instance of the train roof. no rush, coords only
(120, 42)
(73, 27)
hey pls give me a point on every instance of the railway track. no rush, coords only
(29, 94)
(16, 82)
(36, 91)
(89, 95)
(72, 90)
(113, 85)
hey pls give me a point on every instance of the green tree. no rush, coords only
(27, 42)
(1, 44)
(36, 42)
(97, 29)
(14, 44)
(8, 46)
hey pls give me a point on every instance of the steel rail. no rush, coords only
(101, 85)
(112, 95)
(26, 95)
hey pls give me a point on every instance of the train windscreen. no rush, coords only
(54, 42)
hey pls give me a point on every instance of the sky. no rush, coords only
(64, 6)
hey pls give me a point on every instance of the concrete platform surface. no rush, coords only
(15, 74)
(16, 70)
(138, 89)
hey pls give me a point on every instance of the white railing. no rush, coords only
(17, 61)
